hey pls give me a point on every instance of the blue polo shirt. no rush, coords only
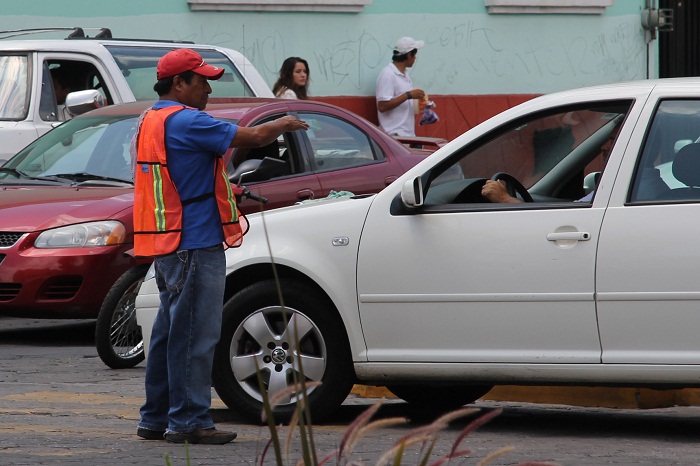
(193, 139)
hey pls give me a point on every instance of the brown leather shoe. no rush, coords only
(204, 436)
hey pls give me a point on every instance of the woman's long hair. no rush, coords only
(286, 78)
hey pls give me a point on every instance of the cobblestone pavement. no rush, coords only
(60, 405)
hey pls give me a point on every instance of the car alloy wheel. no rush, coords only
(302, 340)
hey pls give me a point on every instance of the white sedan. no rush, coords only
(429, 289)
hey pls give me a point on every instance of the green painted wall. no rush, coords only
(90, 8)
(87, 8)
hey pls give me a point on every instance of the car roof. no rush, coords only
(618, 90)
(627, 87)
(227, 107)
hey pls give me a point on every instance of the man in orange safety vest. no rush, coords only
(184, 215)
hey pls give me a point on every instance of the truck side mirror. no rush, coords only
(80, 102)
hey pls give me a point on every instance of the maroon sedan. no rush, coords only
(66, 231)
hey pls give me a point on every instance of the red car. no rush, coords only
(66, 202)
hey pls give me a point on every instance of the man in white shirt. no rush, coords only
(395, 90)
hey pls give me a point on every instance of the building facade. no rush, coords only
(480, 57)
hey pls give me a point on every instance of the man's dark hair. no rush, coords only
(403, 57)
(163, 86)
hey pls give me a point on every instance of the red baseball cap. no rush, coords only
(181, 60)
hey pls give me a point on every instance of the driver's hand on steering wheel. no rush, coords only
(495, 191)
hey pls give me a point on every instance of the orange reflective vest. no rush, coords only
(157, 205)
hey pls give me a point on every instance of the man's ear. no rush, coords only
(178, 82)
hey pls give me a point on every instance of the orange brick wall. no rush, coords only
(457, 113)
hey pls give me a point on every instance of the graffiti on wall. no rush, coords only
(470, 56)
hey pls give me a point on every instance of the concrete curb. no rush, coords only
(600, 397)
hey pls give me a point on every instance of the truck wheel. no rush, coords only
(259, 333)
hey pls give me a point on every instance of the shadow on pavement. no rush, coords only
(47, 332)
(548, 422)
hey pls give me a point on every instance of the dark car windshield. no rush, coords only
(77, 150)
(85, 149)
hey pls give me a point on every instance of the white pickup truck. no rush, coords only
(121, 70)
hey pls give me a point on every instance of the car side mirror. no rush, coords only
(80, 102)
(590, 182)
(258, 170)
(412, 192)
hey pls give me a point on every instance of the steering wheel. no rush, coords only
(513, 186)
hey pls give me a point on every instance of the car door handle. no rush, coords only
(569, 235)
(304, 194)
(389, 179)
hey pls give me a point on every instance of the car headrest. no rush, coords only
(270, 150)
(686, 165)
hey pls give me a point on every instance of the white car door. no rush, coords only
(464, 280)
(648, 277)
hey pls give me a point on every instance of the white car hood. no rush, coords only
(333, 225)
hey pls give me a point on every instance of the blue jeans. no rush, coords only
(185, 332)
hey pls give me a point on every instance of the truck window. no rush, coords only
(14, 87)
(138, 65)
(64, 77)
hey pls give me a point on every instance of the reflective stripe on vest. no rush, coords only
(158, 196)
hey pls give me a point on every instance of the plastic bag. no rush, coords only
(429, 116)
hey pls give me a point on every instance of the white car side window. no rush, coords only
(556, 157)
(669, 167)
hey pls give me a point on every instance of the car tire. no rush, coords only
(439, 396)
(253, 335)
(118, 337)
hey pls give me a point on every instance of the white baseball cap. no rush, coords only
(406, 44)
